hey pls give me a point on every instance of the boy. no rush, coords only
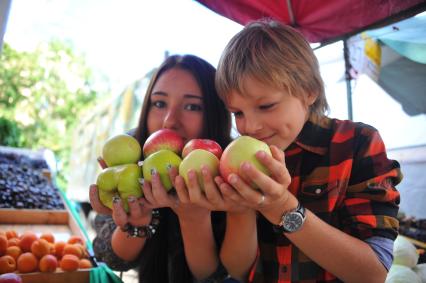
(328, 211)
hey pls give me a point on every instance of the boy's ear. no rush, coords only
(311, 98)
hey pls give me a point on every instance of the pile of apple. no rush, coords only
(165, 149)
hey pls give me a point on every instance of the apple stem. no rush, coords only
(102, 163)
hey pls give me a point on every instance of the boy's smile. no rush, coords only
(268, 114)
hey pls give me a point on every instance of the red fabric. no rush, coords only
(318, 20)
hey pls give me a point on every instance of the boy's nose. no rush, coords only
(252, 126)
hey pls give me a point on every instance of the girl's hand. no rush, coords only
(273, 196)
(156, 196)
(96, 202)
(139, 215)
(212, 198)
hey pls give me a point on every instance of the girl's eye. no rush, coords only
(237, 114)
(266, 106)
(193, 107)
(158, 104)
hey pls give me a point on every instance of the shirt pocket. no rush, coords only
(318, 188)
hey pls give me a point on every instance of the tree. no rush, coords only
(44, 93)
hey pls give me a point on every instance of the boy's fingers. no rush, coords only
(277, 168)
(210, 190)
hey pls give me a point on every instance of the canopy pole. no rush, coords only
(348, 78)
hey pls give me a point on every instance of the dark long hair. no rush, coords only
(165, 252)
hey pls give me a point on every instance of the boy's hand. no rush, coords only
(273, 197)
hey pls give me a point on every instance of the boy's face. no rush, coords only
(268, 114)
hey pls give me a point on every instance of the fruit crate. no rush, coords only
(61, 223)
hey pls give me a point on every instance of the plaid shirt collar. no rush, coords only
(315, 136)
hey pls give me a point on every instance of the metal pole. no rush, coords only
(348, 79)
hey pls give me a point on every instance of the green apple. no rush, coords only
(107, 180)
(106, 197)
(128, 182)
(121, 149)
(194, 160)
(161, 161)
(242, 149)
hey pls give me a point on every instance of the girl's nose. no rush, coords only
(171, 120)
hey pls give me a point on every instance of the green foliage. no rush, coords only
(45, 92)
(10, 133)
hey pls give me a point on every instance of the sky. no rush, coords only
(125, 39)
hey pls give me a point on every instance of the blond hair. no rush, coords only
(276, 55)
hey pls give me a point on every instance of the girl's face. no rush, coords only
(268, 114)
(177, 104)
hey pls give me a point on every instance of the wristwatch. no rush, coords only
(291, 221)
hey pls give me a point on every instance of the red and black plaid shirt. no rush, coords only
(341, 173)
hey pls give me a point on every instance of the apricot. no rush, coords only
(84, 252)
(73, 250)
(59, 248)
(85, 263)
(74, 239)
(26, 240)
(52, 248)
(48, 263)
(7, 264)
(40, 248)
(27, 262)
(13, 242)
(3, 245)
(14, 251)
(48, 237)
(69, 262)
(11, 234)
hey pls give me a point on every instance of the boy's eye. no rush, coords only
(193, 107)
(158, 104)
(266, 106)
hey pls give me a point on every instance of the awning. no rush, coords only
(319, 20)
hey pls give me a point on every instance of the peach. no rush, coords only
(27, 262)
(14, 251)
(40, 248)
(74, 239)
(13, 242)
(85, 263)
(69, 262)
(26, 240)
(73, 250)
(11, 234)
(3, 245)
(59, 248)
(48, 263)
(48, 237)
(7, 264)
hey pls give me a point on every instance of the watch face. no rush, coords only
(293, 221)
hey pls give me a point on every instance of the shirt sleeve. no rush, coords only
(102, 247)
(383, 247)
(371, 203)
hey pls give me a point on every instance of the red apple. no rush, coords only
(10, 278)
(163, 139)
(242, 149)
(206, 144)
(194, 160)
